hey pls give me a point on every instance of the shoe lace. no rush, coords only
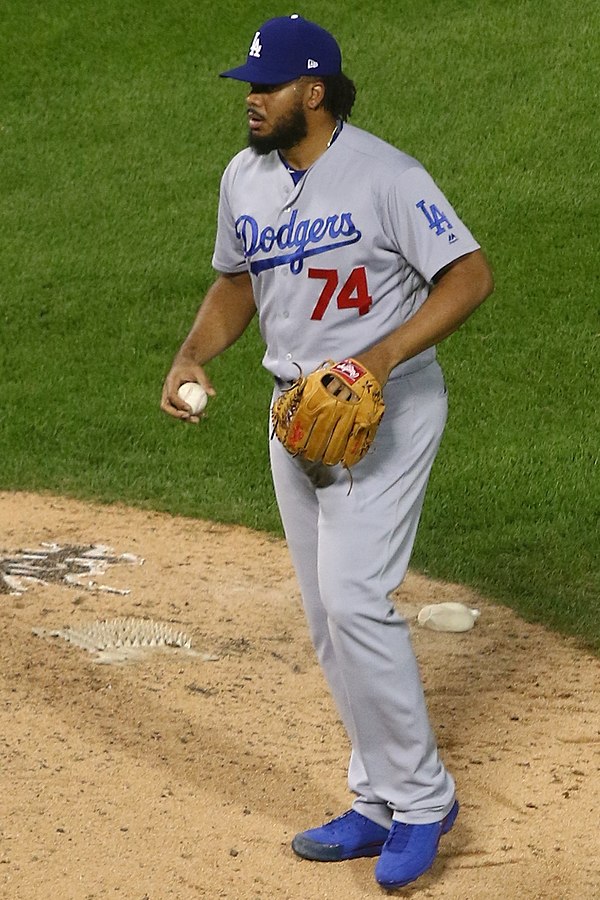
(340, 818)
(398, 837)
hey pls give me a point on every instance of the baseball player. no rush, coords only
(348, 251)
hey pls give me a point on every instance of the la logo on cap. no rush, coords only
(256, 46)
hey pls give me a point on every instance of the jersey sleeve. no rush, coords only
(228, 256)
(424, 226)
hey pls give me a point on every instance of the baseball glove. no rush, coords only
(311, 420)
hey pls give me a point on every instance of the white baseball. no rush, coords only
(194, 395)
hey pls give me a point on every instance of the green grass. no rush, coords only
(114, 130)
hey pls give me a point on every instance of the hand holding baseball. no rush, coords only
(194, 395)
(186, 391)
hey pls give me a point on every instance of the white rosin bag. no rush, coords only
(448, 616)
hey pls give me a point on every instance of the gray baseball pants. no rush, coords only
(350, 550)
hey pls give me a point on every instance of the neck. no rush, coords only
(314, 145)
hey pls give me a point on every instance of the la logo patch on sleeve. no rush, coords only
(436, 219)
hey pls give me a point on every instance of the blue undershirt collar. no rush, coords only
(297, 174)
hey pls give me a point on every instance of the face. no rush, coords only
(276, 117)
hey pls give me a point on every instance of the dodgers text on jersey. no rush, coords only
(298, 240)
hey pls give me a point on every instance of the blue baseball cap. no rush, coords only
(286, 48)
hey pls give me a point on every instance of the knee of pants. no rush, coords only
(350, 605)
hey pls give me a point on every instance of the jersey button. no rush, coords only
(286, 314)
(288, 355)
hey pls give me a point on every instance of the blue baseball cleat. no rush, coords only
(410, 850)
(346, 837)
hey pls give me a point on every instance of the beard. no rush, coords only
(287, 132)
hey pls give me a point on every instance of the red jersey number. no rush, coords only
(354, 293)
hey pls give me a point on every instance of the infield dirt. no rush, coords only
(181, 777)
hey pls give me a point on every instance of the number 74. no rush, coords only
(354, 293)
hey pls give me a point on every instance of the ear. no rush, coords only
(315, 94)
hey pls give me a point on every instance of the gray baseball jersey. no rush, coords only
(344, 257)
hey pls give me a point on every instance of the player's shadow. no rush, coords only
(188, 741)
